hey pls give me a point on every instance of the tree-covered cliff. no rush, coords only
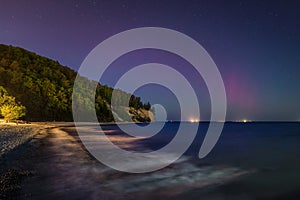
(45, 87)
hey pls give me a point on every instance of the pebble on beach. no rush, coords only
(11, 136)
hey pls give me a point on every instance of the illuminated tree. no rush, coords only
(9, 108)
(12, 112)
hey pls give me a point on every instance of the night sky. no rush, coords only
(255, 44)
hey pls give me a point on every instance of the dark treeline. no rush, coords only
(45, 87)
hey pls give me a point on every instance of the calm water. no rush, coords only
(250, 161)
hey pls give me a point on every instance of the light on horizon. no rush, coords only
(194, 120)
(246, 120)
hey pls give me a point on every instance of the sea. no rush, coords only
(253, 160)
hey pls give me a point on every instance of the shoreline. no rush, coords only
(54, 163)
(44, 165)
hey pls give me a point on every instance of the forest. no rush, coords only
(44, 88)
